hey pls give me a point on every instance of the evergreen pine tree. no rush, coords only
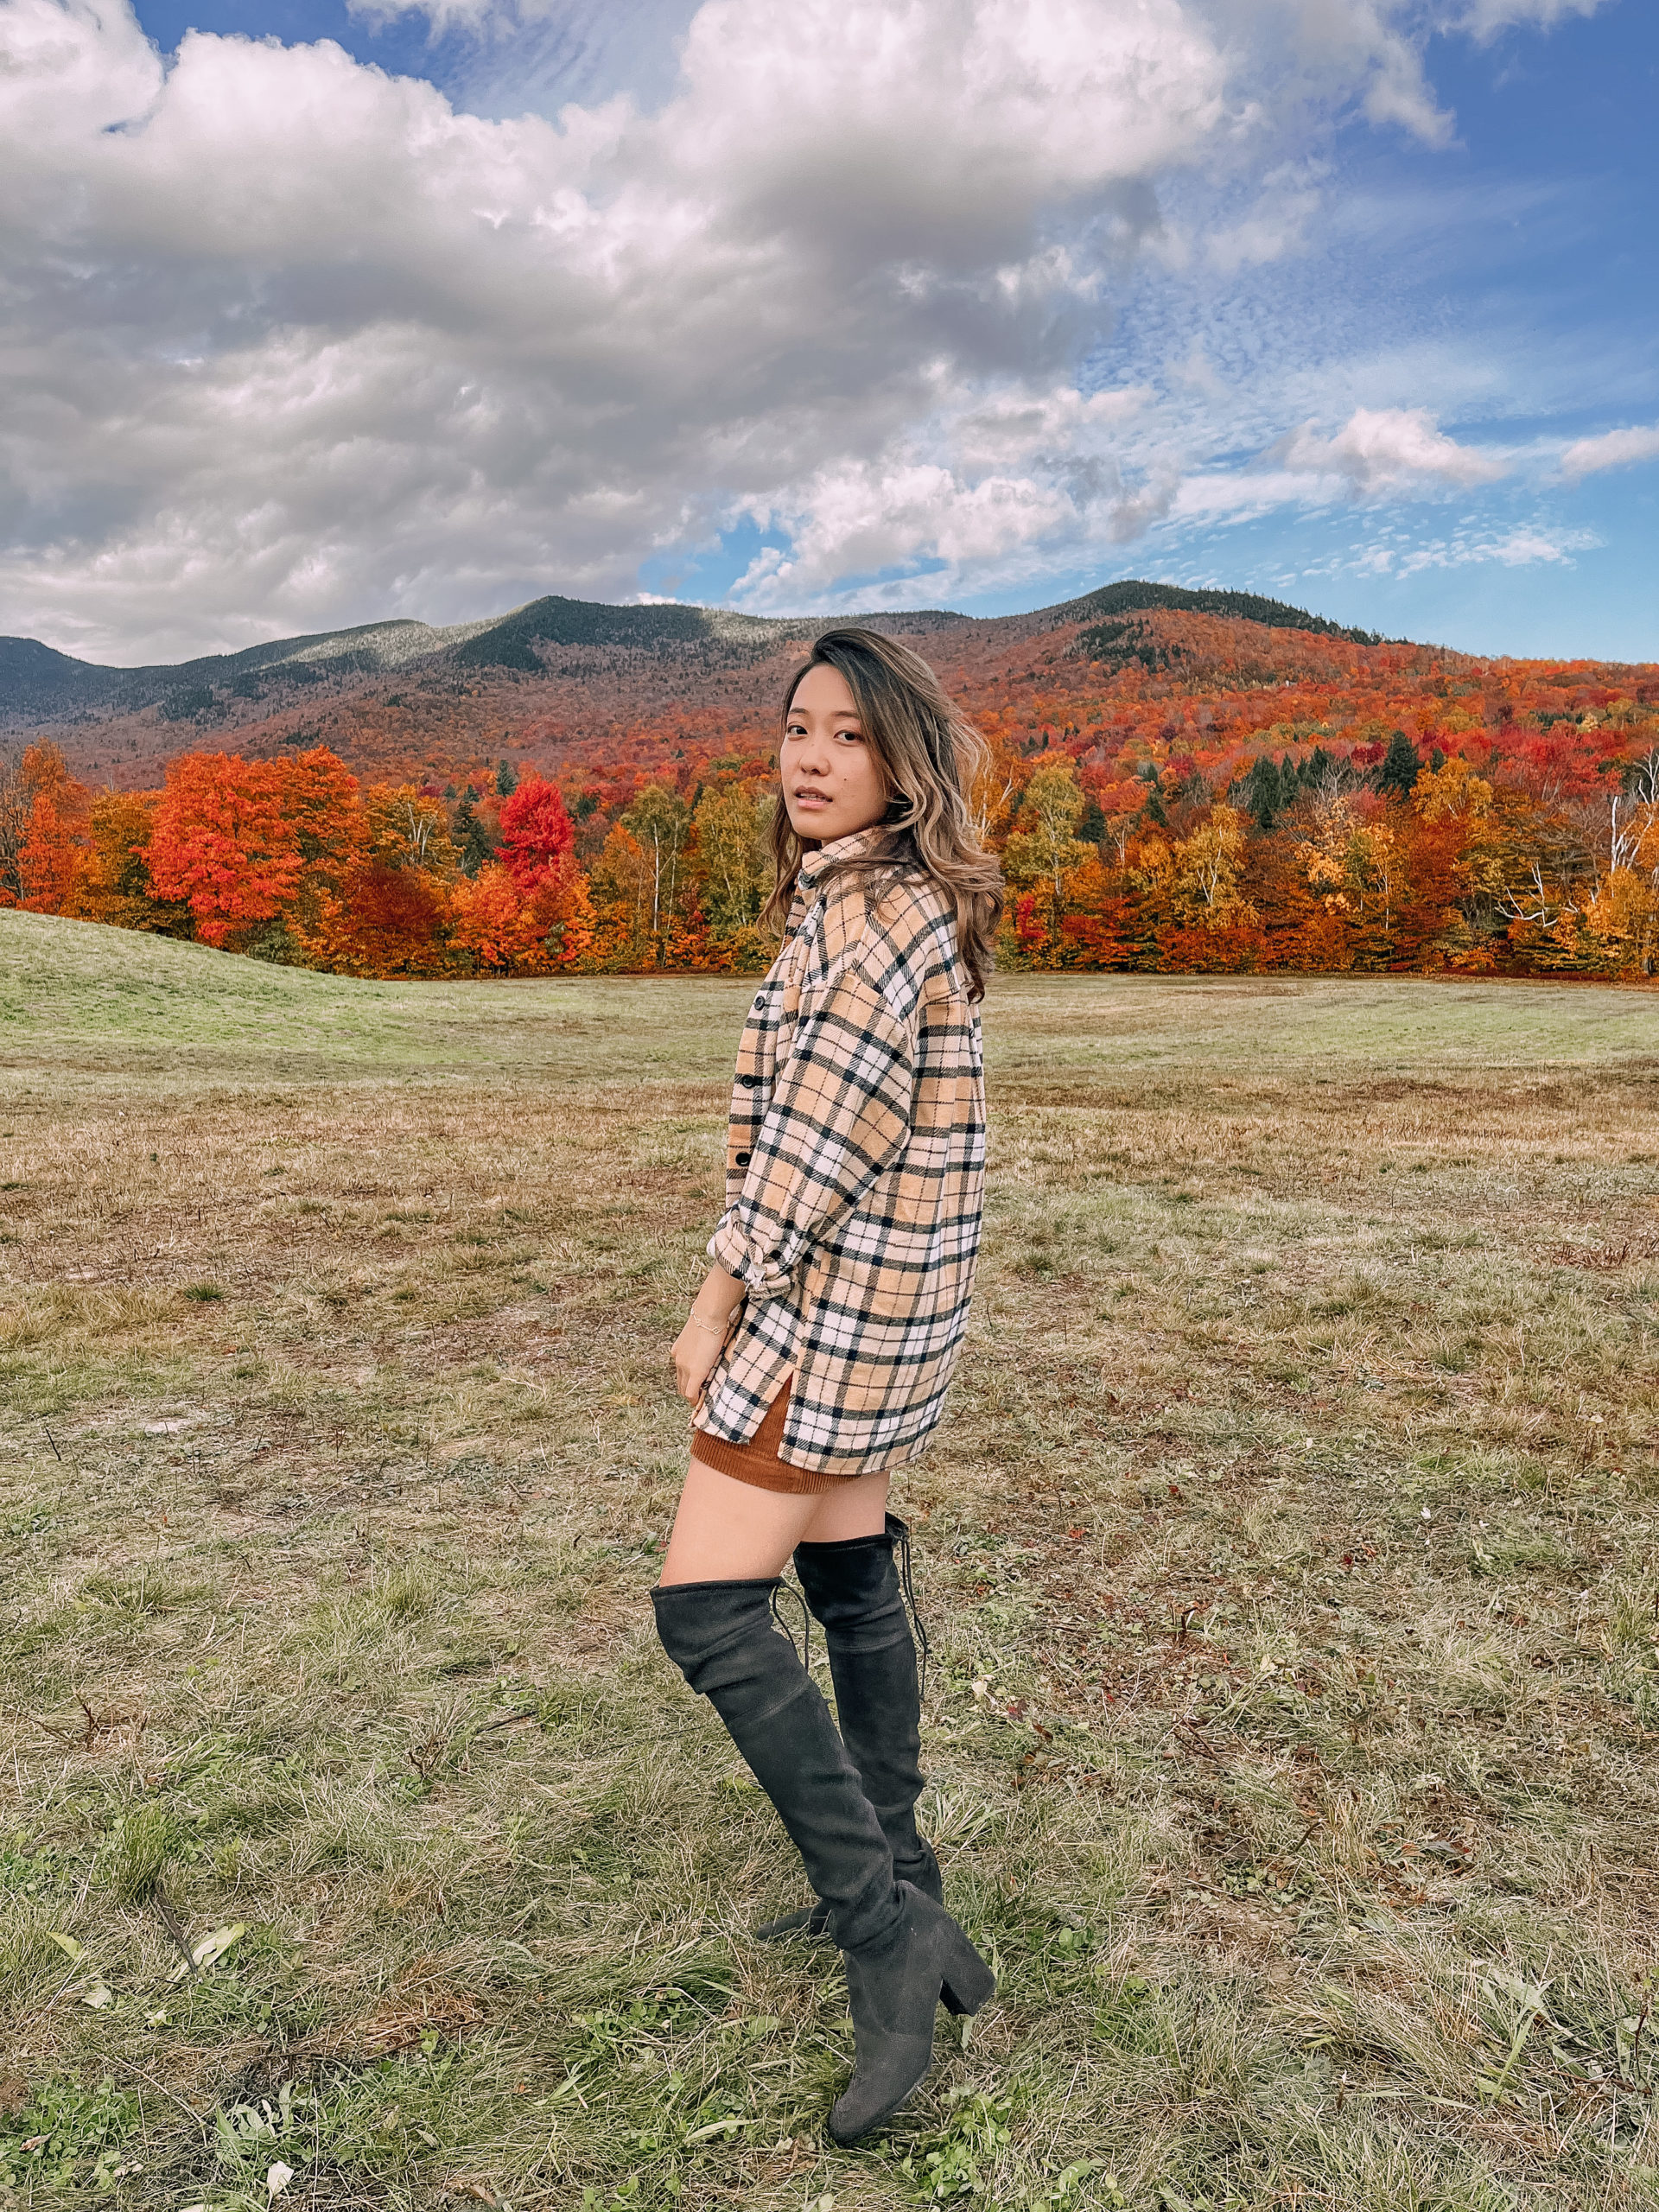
(505, 782)
(473, 843)
(1263, 795)
(1398, 770)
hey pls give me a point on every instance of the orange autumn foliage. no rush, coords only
(1202, 794)
(224, 843)
(43, 817)
(112, 882)
(492, 921)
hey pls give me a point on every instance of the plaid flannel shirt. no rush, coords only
(854, 1173)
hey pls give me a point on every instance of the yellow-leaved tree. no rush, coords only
(732, 859)
(659, 822)
(1205, 868)
(1356, 869)
(1043, 861)
(1623, 915)
(620, 885)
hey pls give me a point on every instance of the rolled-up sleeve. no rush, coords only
(839, 1115)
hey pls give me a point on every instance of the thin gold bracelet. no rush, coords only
(714, 1328)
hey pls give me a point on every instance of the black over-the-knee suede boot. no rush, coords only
(721, 1637)
(853, 1588)
(904, 1952)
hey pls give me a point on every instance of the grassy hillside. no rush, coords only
(118, 1004)
(1289, 1554)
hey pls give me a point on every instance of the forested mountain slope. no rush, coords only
(1178, 781)
(557, 674)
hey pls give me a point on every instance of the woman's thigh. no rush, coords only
(727, 1531)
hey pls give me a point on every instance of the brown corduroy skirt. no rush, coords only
(757, 1462)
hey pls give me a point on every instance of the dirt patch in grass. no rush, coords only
(1288, 1554)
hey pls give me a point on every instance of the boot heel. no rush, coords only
(967, 1980)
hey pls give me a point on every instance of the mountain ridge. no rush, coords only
(42, 687)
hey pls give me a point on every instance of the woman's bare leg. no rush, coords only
(727, 1531)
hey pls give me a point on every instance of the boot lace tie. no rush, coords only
(804, 1653)
(900, 1531)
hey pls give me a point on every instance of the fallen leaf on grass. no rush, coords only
(206, 1948)
(464, 2185)
(715, 2127)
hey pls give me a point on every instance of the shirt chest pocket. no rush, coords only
(768, 1034)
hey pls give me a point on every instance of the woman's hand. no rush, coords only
(700, 1343)
(695, 1350)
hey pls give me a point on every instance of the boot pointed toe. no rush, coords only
(895, 1987)
(878, 2089)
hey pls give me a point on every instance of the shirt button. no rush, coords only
(760, 1003)
(742, 1158)
(749, 1082)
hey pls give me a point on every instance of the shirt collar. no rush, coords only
(843, 848)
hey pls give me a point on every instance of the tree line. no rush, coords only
(1438, 852)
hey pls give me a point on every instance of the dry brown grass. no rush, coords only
(1289, 1551)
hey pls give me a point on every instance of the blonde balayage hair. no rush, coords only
(928, 755)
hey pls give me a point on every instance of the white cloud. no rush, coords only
(288, 342)
(1612, 449)
(1396, 553)
(1515, 549)
(1383, 449)
(1276, 226)
(333, 349)
(1485, 19)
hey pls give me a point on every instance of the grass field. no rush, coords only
(1289, 1555)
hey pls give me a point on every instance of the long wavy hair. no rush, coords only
(928, 755)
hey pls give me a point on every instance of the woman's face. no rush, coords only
(832, 785)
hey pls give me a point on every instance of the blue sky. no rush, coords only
(321, 314)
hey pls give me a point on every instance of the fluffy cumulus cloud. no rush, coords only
(1383, 449)
(291, 342)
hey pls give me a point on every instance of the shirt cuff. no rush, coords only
(762, 1272)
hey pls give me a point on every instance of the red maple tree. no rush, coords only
(536, 834)
(225, 841)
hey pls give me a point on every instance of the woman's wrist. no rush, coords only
(717, 1322)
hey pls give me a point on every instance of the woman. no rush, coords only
(817, 1352)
